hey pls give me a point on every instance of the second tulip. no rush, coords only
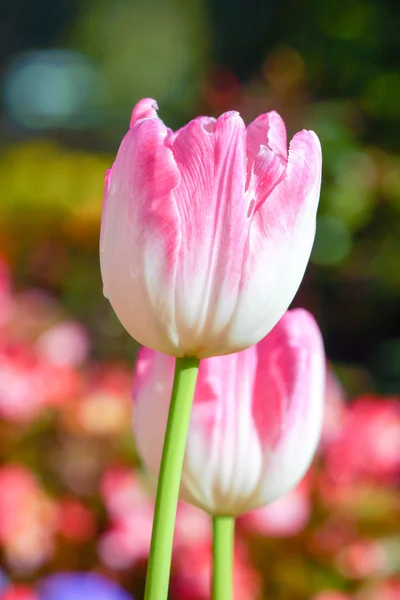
(256, 417)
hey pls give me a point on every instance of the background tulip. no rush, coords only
(206, 231)
(255, 422)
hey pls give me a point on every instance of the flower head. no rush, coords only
(206, 231)
(255, 422)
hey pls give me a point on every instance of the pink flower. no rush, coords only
(387, 590)
(29, 383)
(18, 592)
(75, 522)
(66, 343)
(128, 539)
(256, 417)
(206, 231)
(28, 519)
(121, 491)
(131, 511)
(192, 527)
(193, 577)
(367, 446)
(285, 517)
(362, 559)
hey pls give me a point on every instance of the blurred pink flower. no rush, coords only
(191, 577)
(332, 535)
(18, 592)
(285, 517)
(367, 445)
(130, 508)
(362, 559)
(386, 590)
(131, 512)
(75, 521)
(66, 343)
(121, 490)
(206, 231)
(34, 311)
(255, 422)
(28, 519)
(29, 383)
(192, 527)
(127, 541)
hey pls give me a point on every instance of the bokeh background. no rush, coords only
(72, 496)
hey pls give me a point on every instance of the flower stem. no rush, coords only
(222, 571)
(159, 565)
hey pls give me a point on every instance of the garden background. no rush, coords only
(72, 496)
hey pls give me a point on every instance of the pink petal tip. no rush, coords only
(145, 109)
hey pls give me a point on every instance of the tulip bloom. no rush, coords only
(206, 231)
(255, 422)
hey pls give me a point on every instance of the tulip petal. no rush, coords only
(137, 234)
(145, 109)
(298, 193)
(281, 237)
(288, 354)
(262, 412)
(213, 205)
(268, 169)
(290, 430)
(212, 219)
(223, 441)
(267, 130)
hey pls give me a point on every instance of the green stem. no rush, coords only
(159, 564)
(222, 572)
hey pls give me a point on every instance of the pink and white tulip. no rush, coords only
(256, 417)
(206, 231)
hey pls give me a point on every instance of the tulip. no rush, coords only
(255, 422)
(206, 231)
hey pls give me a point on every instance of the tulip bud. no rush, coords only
(256, 418)
(206, 231)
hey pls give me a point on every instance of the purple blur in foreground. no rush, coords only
(80, 586)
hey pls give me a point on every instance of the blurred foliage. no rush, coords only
(154, 49)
